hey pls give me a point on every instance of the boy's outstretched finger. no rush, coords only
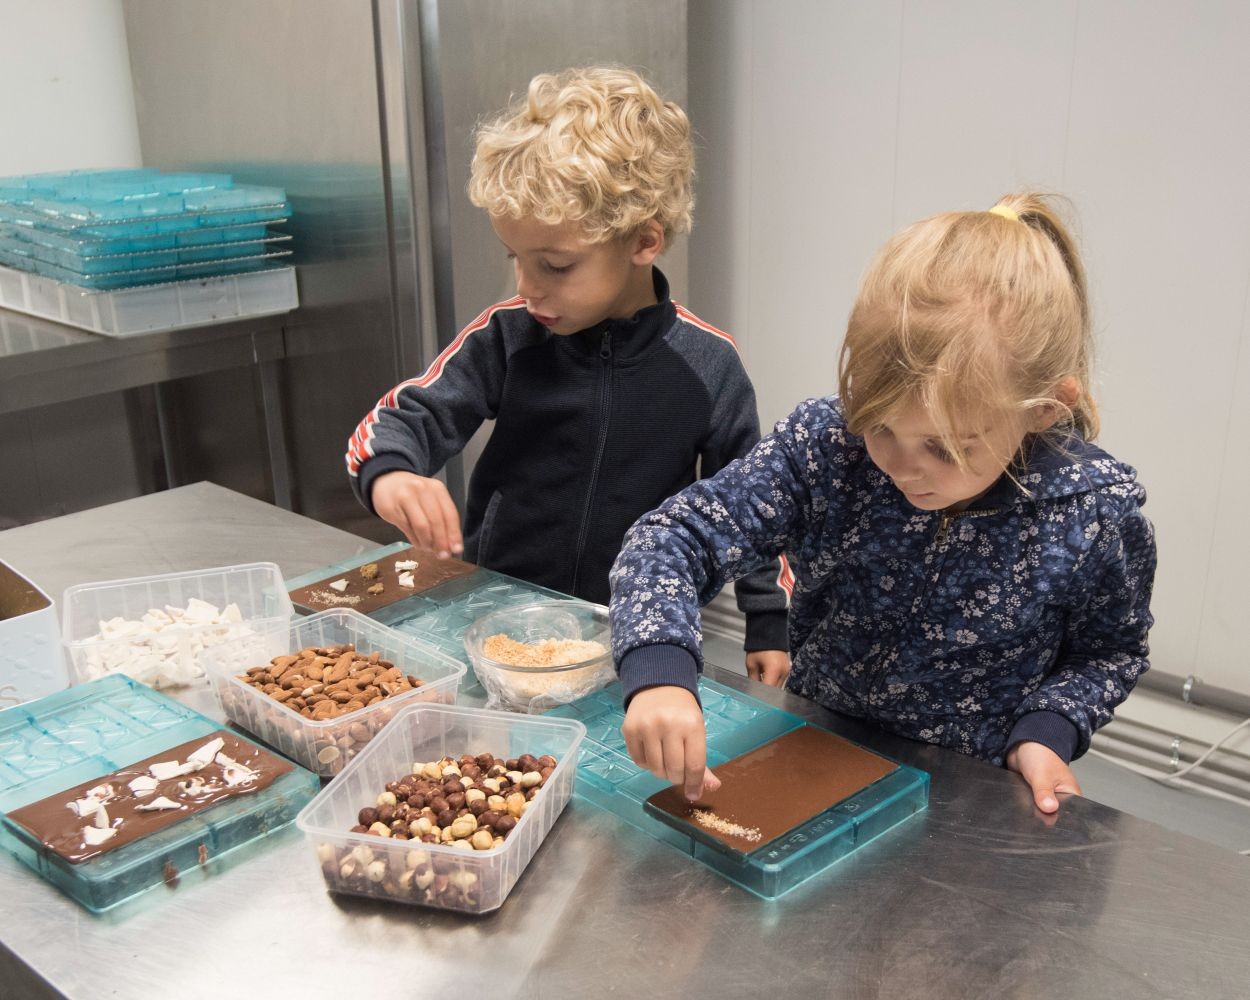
(418, 524)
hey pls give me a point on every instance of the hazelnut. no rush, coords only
(438, 804)
(462, 845)
(513, 776)
(402, 791)
(451, 771)
(416, 801)
(362, 853)
(420, 826)
(471, 771)
(360, 828)
(431, 771)
(347, 869)
(376, 871)
(387, 799)
(498, 842)
(477, 807)
(513, 764)
(463, 826)
(367, 816)
(484, 760)
(546, 772)
(496, 770)
(491, 784)
(497, 803)
(546, 760)
(399, 827)
(482, 840)
(446, 818)
(504, 824)
(456, 801)
(531, 779)
(474, 795)
(416, 858)
(516, 804)
(424, 879)
(386, 813)
(380, 829)
(462, 880)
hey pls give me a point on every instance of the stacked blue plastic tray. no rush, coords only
(94, 729)
(107, 229)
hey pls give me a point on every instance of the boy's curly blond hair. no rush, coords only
(596, 146)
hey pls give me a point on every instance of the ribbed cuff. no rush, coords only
(661, 665)
(1047, 728)
(767, 630)
(379, 466)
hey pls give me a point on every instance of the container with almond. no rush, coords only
(320, 690)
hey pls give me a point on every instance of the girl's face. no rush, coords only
(569, 284)
(909, 449)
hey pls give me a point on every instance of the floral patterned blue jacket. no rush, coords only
(1022, 618)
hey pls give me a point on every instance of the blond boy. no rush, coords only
(607, 396)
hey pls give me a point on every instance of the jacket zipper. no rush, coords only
(605, 409)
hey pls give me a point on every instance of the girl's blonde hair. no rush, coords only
(978, 317)
(596, 146)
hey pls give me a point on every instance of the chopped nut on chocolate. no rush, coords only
(369, 571)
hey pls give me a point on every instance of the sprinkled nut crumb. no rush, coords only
(369, 571)
(707, 818)
(330, 597)
(547, 653)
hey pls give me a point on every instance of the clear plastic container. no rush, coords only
(32, 663)
(426, 733)
(538, 688)
(327, 746)
(156, 656)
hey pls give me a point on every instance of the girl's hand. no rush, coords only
(664, 733)
(1046, 773)
(421, 508)
(772, 666)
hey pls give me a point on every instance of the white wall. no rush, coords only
(826, 126)
(65, 75)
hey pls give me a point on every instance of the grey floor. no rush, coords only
(1216, 821)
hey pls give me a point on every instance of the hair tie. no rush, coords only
(1005, 212)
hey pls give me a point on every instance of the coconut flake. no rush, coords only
(95, 836)
(160, 802)
(407, 580)
(143, 785)
(405, 565)
(205, 754)
(167, 769)
(102, 818)
(339, 585)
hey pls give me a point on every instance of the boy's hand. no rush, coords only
(1046, 773)
(421, 508)
(772, 666)
(664, 733)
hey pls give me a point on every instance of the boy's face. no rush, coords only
(909, 449)
(569, 284)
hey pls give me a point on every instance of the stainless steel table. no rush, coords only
(43, 362)
(979, 897)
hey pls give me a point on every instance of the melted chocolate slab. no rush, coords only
(430, 572)
(771, 790)
(60, 828)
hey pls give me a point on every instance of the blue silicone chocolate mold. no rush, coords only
(736, 723)
(91, 730)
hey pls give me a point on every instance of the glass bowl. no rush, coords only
(549, 628)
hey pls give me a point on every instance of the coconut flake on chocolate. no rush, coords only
(145, 784)
(95, 836)
(405, 565)
(205, 754)
(339, 585)
(160, 802)
(407, 580)
(166, 769)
